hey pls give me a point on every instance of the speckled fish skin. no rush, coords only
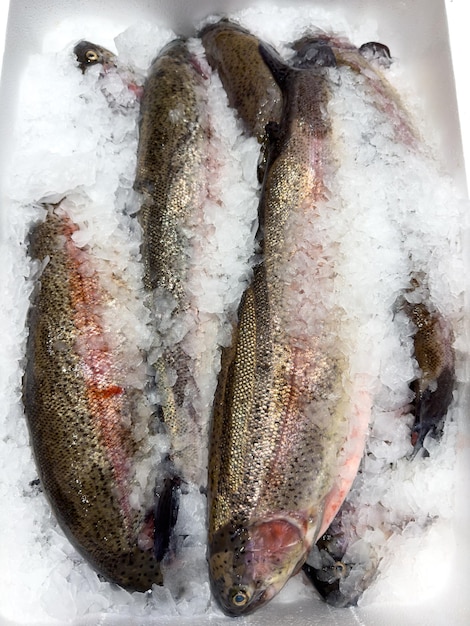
(433, 346)
(172, 167)
(170, 155)
(279, 414)
(250, 86)
(79, 414)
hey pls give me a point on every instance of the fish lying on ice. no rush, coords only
(341, 571)
(172, 169)
(288, 431)
(89, 421)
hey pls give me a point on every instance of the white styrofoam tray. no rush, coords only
(417, 33)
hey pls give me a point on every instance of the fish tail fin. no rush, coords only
(278, 68)
(314, 53)
(167, 500)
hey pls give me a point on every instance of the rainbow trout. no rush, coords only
(87, 418)
(288, 429)
(433, 345)
(433, 337)
(172, 169)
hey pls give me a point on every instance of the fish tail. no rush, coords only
(166, 508)
(316, 54)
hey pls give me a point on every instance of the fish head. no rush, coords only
(89, 54)
(250, 565)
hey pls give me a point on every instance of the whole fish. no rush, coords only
(83, 413)
(250, 86)
(288, 432)
(340, 573)
(172, 168)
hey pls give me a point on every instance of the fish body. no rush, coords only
(172, 169)
(284, 430)
(171, 156)
(83, 411)
(250, 86)
(346, 558)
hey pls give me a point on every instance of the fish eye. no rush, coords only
(239, 597)
(91, 56)
(340, 569)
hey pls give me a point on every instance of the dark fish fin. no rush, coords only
(374, 51)
(273, 131)
(165, 515)
(263, 156)
(279, 69)
(88, 54)
(431, 409)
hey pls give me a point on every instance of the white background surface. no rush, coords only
(458, 16)
(449, 609)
